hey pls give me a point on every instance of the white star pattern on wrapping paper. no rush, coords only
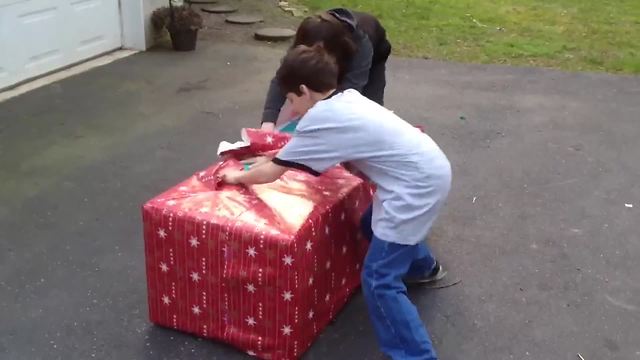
(344, 249)
(204, 210)
(286, 330)
(287, 296)
(311, 281)
(251, 321)
(196, 309)
(195, 276)
(171, 202)
(287, 260)
(269, 139)
(311, 314)
(251, 251)
(308, 245)
(166, 300)
(250, 288)
(328, 265)
(164, 267)
(260, 223)
(326, 298)
(194, 242)
(342, 216)
(162, 233)
(326, 230)
(344, 281)
(251, 353)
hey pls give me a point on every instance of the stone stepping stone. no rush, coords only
(220, 9)
(274, 34)
(243, 19)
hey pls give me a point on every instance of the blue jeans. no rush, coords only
(424, 260)
(397, 324)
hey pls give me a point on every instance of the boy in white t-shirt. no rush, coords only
(413, 178)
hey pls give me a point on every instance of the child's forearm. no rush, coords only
(264, 173)
(262, 160)
(258, 160)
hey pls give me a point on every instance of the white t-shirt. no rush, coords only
(412, 174)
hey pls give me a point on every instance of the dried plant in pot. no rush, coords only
(181, 22)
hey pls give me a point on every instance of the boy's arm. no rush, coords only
(258, 160)
(261, 174)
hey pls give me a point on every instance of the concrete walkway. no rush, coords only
(536, 226)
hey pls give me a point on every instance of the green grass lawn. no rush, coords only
(593, 35)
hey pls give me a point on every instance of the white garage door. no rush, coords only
(38, 36)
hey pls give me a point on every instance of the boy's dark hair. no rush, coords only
(335, 36)
(311, 66)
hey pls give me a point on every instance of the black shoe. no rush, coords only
(436, 274)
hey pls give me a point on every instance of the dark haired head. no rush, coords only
(335, 36)
(311, 66)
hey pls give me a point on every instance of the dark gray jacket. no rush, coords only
(373, 48)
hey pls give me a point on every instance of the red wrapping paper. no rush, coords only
(264, 268)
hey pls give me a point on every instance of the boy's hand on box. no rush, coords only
(231, 177)
(268, 126)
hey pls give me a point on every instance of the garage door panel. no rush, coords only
(94, 20)
(85, 4)
(37, 15)
(36, 39)
(28, 39)
(38, 36)
(4, 3)
(4, 75)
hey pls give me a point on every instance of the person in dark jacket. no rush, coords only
(358, 42)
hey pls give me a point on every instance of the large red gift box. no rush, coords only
(264, 268)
